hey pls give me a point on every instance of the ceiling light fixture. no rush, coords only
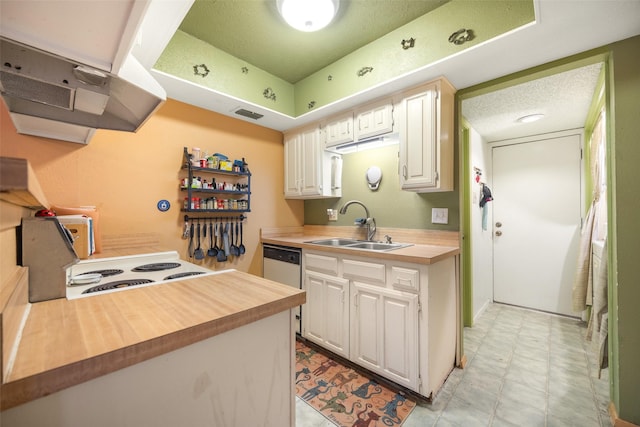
(530, 118)
(308, 15)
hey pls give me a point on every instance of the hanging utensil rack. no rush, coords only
(240, 217)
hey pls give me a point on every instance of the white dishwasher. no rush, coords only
(283, 264)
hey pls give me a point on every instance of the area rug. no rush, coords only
(345, 397)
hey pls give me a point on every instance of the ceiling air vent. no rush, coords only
(249, 114)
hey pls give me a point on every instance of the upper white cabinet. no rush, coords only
(374, 119)
(426, 137)
(339, 130)
(310, 171)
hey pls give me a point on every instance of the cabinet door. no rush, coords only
(339, 130)
(326, 312)
(418, 140)
(384, 332)
(311, 163)
(292, 158)
(374, 121)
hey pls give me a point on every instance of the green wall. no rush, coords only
(390, 206)
(624, 228)
(385, 56)
(488, 19)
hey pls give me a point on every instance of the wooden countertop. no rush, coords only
(67, 342)
(428, 247)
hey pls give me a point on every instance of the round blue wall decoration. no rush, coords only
(163, 205)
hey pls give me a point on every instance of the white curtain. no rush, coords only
(583, 281)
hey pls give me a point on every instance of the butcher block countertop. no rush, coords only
(428, 246)
(67, 342)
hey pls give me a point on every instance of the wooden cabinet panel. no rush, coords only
(374, 120)
(339, 130)
(326, 312)
(426, 137)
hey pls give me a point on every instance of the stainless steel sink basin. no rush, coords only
(378, 246)
(335, 242)
(359, 244)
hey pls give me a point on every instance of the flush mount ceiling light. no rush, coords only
(308, 15)
(530, 118)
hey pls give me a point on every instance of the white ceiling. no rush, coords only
(562, 28)
(563, 98)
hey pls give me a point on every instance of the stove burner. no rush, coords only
(117, 285)
(157, 266)
(185, 274)
(107, 272)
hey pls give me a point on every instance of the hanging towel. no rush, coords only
(485, 210)
(485, 196)
(582, 284)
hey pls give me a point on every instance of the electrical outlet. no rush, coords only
(440, 215)
(332, 214)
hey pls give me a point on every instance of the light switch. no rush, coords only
(440, 215)
(332, 214)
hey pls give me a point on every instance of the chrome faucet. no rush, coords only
(369, 221)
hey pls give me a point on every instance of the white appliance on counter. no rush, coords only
(103, 275)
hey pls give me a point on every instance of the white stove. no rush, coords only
(103, 275)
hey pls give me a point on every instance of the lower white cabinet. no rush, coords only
(394, 318)
(384, 332)
(326, 315)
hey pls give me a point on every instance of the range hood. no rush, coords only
(51, 96)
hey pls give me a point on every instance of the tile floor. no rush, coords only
(524, 369)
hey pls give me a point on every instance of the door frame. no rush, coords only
(464, 160)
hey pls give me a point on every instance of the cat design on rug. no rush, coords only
(301, 355)
(364, 422)
(391, 410)
(324, 367)
(306, 373)
(340, 380)
(336, 406)
(315, 391)
(363, 390)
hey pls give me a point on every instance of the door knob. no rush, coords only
(498, 224)
(498, 233)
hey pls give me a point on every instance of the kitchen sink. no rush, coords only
(378, 246)
(335, 242)
(359, 244)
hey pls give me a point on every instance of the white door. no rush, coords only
(536, 222)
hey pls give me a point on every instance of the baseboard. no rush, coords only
(482, 310)
(617, 422)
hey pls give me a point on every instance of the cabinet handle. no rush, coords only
(404, 171)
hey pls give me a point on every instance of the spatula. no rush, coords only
(212, 251)
(222, 256)
(241, 248)
(198, 253)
